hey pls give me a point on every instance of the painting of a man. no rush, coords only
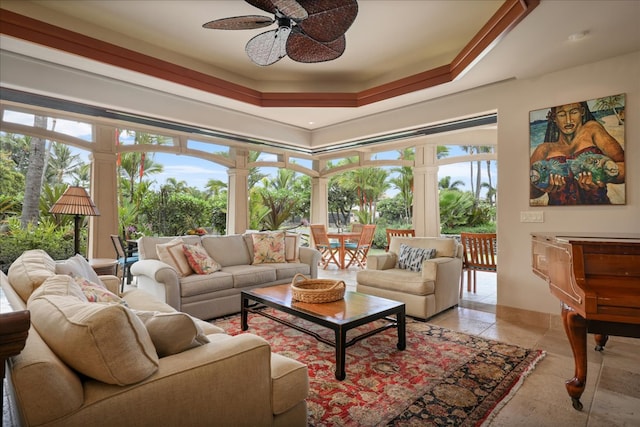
(577, 153)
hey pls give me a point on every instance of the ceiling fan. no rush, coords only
(308, 30)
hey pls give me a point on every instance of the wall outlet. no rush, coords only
(532, 216)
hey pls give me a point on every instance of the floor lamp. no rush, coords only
(75, 201)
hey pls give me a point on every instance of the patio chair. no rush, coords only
(357, 252)
(328, 249)
(400, 232)
(125, 258)
(479, 254)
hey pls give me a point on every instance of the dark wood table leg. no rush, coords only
(575, 327)
(341, 339)
(244, 312)
(402, 329)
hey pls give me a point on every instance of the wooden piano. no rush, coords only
(597, 279)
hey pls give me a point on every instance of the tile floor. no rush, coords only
(612, 395)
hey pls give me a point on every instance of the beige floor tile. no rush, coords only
(614, 409)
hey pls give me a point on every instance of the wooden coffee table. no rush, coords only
(355, 309)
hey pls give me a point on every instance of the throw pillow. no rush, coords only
(268, 247)
(77, 266)
(411, 258)
(106, 342)
(292, 247)
(173, 332)
(97, 293)
(173, 254)
(60, 284)
(200, 260)
(29, 270)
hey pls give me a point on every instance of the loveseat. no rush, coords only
(164, 271)
(428, 287)
(95, 358)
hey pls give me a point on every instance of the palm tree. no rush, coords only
(610, 103)
(215, 186)
(369, 184)
(446, 184)
(404, 182)
(35, 174)
(61, 163)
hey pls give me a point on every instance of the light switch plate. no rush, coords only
(532, 216)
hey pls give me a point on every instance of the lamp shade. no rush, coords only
(75, 201)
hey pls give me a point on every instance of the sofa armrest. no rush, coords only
(311, 257)
(442, 268)
(384, 261)
(112, 283)
(220, 382)
(159, 279)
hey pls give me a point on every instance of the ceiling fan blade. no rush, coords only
(302, 48)
(269, 47)
(328, 19)
(289, 8)
(247, 22)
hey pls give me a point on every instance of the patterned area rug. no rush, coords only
(442, 378)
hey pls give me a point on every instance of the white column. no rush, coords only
(104, 193)
(319, 201)
(426, 202)
(238, 193)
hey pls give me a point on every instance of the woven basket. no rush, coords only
(316, 290)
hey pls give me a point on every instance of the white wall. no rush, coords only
(517, 285)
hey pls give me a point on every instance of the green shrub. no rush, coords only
(56, 241)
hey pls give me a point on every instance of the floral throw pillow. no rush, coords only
(98, 293)
(199, 259)
(411, 258)
(268, 248)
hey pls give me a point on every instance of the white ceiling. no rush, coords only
(388, 41)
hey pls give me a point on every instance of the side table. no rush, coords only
(104, 266)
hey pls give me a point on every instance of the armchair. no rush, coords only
(425, 293)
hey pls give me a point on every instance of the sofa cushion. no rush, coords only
(227, 250)
(60, 284)
(172, 333)
(96, 293)
(250, 275)
(288, 270)
(78, 266)
(172, 253)
(106, 342)
(29, 271)
(268, 247)
(198, 284)
(395, 279)
(200, 260)
(289, 383)
(411, 258)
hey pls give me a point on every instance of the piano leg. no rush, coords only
(601, 341)
(575, 327)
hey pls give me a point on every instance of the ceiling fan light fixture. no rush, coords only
(308, 30)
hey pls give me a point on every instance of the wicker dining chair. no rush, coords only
(480, 250)
(329, 250)
(399, 232)
(358, 251)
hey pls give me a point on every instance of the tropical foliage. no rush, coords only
(38, 170)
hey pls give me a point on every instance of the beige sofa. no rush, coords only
(425, 293)
(143, 364)
(208, 296)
